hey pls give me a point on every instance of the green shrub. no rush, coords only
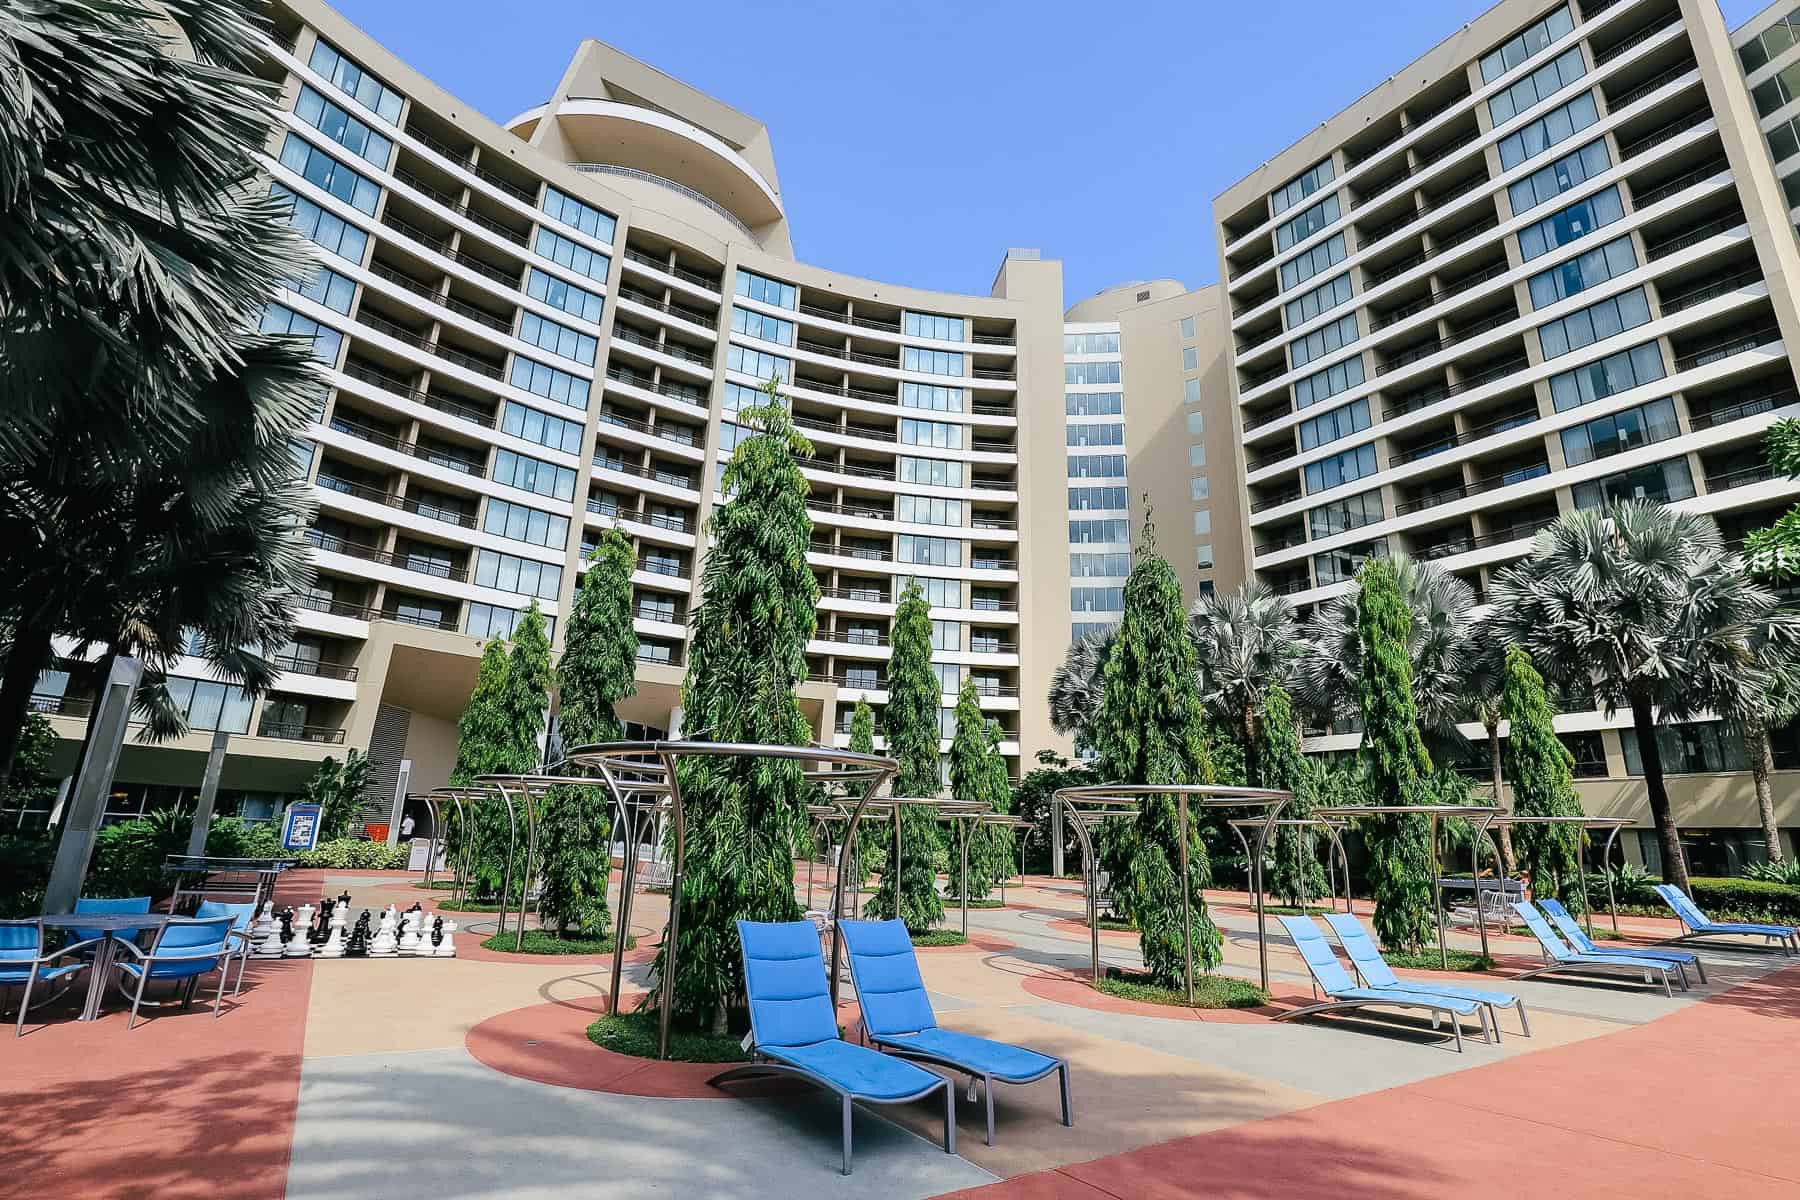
(1786, 871)
(355, 854)
(128, 857)
(25, 859)
(1631, 884)
(1746, 900)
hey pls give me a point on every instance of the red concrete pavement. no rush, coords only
(1694, 1104)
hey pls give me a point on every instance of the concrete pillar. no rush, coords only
(209, 792)
(93, 782)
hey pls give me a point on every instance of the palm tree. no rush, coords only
(1079, 683)
(1644, 604)
(1247, 643)
(147, 491)
(1775, 647)
(1441, 646)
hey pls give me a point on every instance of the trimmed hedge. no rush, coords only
(1735, 899)
(356, 854)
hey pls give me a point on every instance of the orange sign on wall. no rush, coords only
(377, 832)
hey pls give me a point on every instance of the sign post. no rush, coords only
(300, 827)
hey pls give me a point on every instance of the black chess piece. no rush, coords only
(322, 928)
(287, 926)
(344, 899)
(358, 946)
(437, 932)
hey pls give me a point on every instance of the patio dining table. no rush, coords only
(108, 924)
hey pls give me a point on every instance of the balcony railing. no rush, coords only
(1663, 133)
(1463, 491)
(450, 154)
(662, 181)
(407, 562)
(421, 508)
(1744, 408)
(1724, 350)
(681, 312)
(685, 395)
(443, 247)
(431, 346)
(1635, 40)
(671, 521)
(1440, 248)
(864, 595)
(825, 314)
(330, 735)
(393, 383)
(660, 566)
(673, 349)
(1425, 350)
(1453, 440)
(410, 449)
(1724, 481)
(479, 315)
(1680, 183)
(708, 282)
(462, 210)
(1276, 501)
(291, 664)
(868, 553)
(1693, 237)
(1711, 291)
(861, 472)
(338, 608)
(680, 435)
(1438, 297)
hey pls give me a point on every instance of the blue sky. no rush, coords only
(917, 141)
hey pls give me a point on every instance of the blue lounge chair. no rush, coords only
(1341, 991)
(1578, 938)
(1365, 956)
(795, 1030)
(24, 965)
(1559, 957)
(897, 1017)
(241, 917)
(129, 905)
(184, 950)
(1699, 925)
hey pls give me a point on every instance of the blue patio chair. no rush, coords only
(1365, 956)
(795, 1032)
(23, 963)
(126, 904)
(1699, 925)
(897, 1017)
(1578, 938)
(241, 916)
(1559, 957)
(184, 949)
(1341, 991)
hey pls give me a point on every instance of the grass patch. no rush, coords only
(939, 937)
(475, 906)
(1290, 910)
(636, 1034)
(1210, 991)
(1115, 924)
(543, 941)
(1428, 960)
(985, 902)
(437, 885)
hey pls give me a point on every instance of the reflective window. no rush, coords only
(1113, 564)
(326, 341)
(933, 551)
(930, 510)
(1576, 221)
(522, 524)
(1341, 566)
(1085, 499)
(1666, 482)
(931, 362)
(323, 171)
(1323, 341)
(1594, 323)
(1538, 86)
(493, 621)
(1777, 90)
(1325, 384)
(572, 254)
(1338, 423)
(940, 434)
(1090, 343)
(756, 325)
(932, 396)
(548, 382)
(1340, 469)
(1583, 271)
(533, 475)
(1770, 42)
(348, 77)
(1341, 516)
(766, 290)
(1549, 182)
(1323, 298)
(1095, 435)
(1291, 193)
(1619, 432)
(353, 135)
(559, 340)
(577, 302)
(1096, 466)
(1322, 257)
(1096, 599)
(206, 704)
(1554, 127)
(928, 325)
(1614, 373)
(540, 427)
(327, 287)
(937, 472)
(510, 573)
(1291, 233)
(1091, 372)
(758, 364)
(1100, 530)
(1094, 404)
(1525, 43)
(560, 206)
(327, 230)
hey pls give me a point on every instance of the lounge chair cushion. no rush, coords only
(1628, 960)
(1777, 931)
(1579, 939)
(1362, 951)
(856, 1069)
(1479, 995)
(1002, 1060)
(1699, 922)
(784, 975)
(888, 985)
(1454, 1004)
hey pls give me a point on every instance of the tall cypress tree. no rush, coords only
(596, 671)
(483, 741)
(1401, 871)
(1542, 772)
(991, 852)
(747, 654)
(1279, 764)
(973, 752)
(912, 741)
(1151, 729)
(871, 833)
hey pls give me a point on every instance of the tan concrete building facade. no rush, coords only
(537, 330)
(1546, 265)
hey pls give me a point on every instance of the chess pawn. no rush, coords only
(300, 944)
(386, 944)
(447, 947)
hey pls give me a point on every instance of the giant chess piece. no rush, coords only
(386, 945)
(334, 941)
(265, 921)
(445, 948)
(322, 928)
(414, 935)
(437, 937)
(275, 940)
(300, 944)
(358, 945)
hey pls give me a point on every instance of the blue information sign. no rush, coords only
(300, 827)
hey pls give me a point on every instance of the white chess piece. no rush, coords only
(271, 945)
(447, 947)
(334, 944)
(411, 921)
(385, 945)
(298, 946)
(264, 922)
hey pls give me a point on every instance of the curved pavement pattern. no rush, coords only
(473, 1078)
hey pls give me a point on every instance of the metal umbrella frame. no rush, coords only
(1434, 812)
(532, 789)
(640, 759)
(471, 797)
(822, 816)
(1008, 821)
(1332, 828)
(1611, 824)
(430, 801)
(1121, 799)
